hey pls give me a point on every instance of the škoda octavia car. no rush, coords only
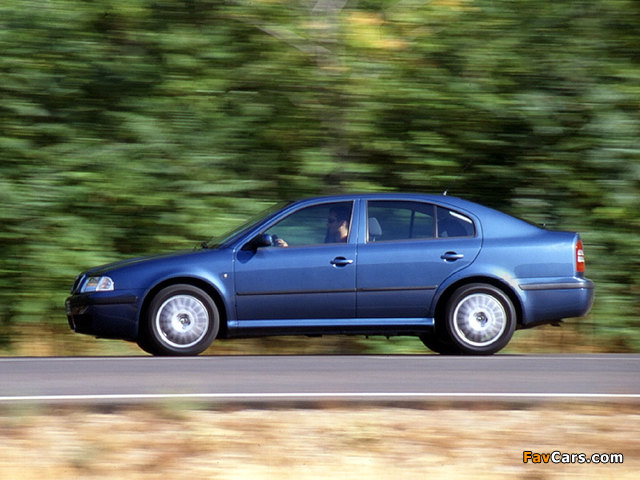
(460, 276)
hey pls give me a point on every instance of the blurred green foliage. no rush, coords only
(138, 126)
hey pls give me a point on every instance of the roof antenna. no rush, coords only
(464, 169)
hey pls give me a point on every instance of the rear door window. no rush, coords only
(392, 220)
(396, 220)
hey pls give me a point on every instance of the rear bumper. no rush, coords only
(551, 301)
(104, 314)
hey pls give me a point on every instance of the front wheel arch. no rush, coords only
(143, 340)
(181, 320)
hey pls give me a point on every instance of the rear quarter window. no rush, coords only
(453, 224)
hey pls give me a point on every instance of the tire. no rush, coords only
(145, 344)
(439, 345)
(480, 319)
(182, 320)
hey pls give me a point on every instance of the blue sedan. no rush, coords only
(460, 276)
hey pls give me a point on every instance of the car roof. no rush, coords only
(422, 197)
(492, 220)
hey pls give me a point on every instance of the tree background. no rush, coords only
(138, 126)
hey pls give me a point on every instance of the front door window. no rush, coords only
(316, 225)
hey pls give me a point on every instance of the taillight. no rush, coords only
(579, 257)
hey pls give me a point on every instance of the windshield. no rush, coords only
(233, 234)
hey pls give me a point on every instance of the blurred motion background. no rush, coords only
(130, 127)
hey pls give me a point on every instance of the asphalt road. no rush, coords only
(397, 378)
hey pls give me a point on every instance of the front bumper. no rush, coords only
(104, 314)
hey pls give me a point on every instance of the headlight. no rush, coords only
(98, 284)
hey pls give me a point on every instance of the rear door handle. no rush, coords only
(341, 262)
(451, 256)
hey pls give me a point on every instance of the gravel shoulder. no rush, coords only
(480, 441)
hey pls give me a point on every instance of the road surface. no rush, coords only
(393, 378)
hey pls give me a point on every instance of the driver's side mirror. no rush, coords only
(262, 240)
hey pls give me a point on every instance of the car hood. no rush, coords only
(109, 267)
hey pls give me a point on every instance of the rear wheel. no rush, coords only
(181, 320)
(480, 319)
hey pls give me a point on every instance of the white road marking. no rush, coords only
(399, 357)
(306, 395)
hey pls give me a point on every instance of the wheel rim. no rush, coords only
(480, 319)
(182, 321)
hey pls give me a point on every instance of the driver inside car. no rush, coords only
(337, 227)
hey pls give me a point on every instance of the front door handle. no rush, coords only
(341, 262)
(451, 256)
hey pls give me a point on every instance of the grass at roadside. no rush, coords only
(58, 340)
(435, 441)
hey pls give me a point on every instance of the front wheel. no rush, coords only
(181, 320)
(480, 319)
(435, 343)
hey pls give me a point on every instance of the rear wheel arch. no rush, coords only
(443, 299)
(440, 340)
